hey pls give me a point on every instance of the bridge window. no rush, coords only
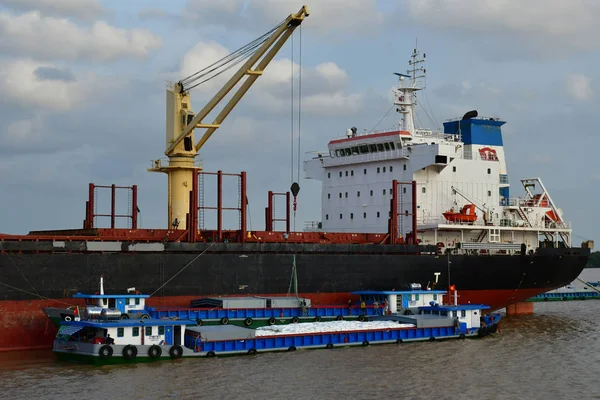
(489, 171)
(340, 216)
(348, 152)
(384, 192)
(329, 175)
(327, 217)
(329, 195)
(489, 192)
(346, 173)
(120, 332)
(453, 169)
(340, 174)
(392, 145)
(386, 145)
(161, 330)
(383, 169)
(135, 331)
(364, 149)
(365, 172)
(346, 195)
(352, 173)
(358, 194)
(372, 148)
(379, 147)
(404, 167)
(391, 168)
(340, 195)
(364, 215)
(377, 214)
(351, 215)
(378, 170)
(371, 193)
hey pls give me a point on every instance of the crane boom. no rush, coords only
(274, 42)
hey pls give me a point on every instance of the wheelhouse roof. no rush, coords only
(120, 323)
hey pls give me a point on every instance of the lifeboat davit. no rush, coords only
(466, 214)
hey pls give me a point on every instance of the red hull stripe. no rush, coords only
(25, 326)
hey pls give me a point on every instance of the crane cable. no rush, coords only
(299, 115)
(231, 60)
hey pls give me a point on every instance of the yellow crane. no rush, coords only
(181, 120)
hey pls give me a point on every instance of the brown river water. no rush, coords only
(553, 354)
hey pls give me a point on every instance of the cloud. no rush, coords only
(548, 28)
(53, 74)
(84, 9)
(323, 86)
(49, 38)
(579, 87)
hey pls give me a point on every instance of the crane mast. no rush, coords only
(181, 121)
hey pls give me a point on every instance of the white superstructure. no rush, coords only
(462, 166)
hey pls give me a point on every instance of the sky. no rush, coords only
(82, 95)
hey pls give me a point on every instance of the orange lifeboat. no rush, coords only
(466, 214)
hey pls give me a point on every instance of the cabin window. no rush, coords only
(378, 170)
(161, 330)
(444, 313)
(128, 301)
(120, 332)
(364, 149)
(352, 173)
(351, 215)
(348, 152)
(403, 190)
(329, 195)
(384, 192)
(346, 173)
(135, 331)
(455, 313)
(357, 194)
(371, 193)
(489, 192)
(463, 313)
(365, 171)
(329, 175)
(340, 195)
(379, 147)
(148, 331)
(346, 194)
(355, 150)
(416, 297)
(372, 148)
(489, 171)
(340, 216)
(404, 167)
(364, 215)
(423, 190)
(392, 145)
(105, 302)
(453, 169)
(387, 146)
(377, 214)
(340, 174)
(391, 168)
(383, 169)
(435, 297)
(327, 217)
(137, 301)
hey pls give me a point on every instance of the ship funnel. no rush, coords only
(470, 114)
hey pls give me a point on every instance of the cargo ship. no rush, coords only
(402, 206)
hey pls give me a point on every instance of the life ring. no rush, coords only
(67, 318)
(365, 343)
(462, 336)
(210, 354)
(130, 352)
(154, 351)
(251, 351)
(176, 351)
(408, 312)
(340, 317)
(248, 321)
(145, 316)
(295, 320)
(272, 321)
(199, 322)
(224, 321)
(292, 348)
(329, 346)
(361, 317)
(105, 351)
(318, 318)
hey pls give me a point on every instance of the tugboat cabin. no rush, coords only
(469, 314)
(133, 303)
